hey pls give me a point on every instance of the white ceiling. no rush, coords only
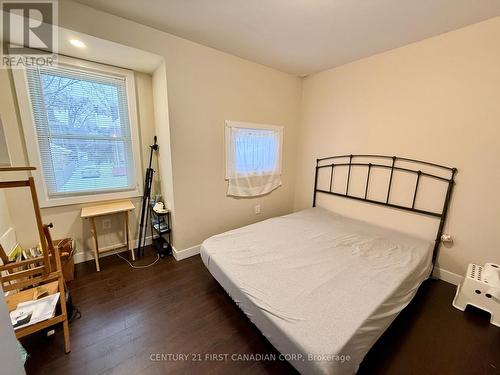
(302, 36)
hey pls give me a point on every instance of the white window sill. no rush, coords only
(74, 200)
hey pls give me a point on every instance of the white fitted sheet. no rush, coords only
(317, 283)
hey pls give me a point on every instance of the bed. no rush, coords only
(322, 287)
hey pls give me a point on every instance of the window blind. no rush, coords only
(83, 130)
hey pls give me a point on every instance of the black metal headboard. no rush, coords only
(394, 164)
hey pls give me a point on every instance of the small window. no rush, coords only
(82, 131)
(253, 158)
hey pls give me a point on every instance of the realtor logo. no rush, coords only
(28, 32)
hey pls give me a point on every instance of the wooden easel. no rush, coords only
(41, 274)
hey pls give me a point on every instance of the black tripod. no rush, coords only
(145, 201)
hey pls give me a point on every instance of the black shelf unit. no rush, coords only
(161, 232)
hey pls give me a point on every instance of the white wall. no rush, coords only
(10, 360)
(436, 100)
(5, 220)
(206, 87)
(162, 131)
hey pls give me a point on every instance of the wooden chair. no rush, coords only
(40, 274)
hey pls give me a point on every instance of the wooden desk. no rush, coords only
(92, 212)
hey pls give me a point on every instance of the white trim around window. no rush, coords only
(254, 154)
(249, 125)
(33, 145)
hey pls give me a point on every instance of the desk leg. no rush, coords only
(127, 233)
(96, 244)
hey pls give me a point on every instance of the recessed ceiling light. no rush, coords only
(77, 43)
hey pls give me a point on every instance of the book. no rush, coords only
(161, 227)
(15, 253)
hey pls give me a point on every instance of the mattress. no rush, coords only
(321, 288)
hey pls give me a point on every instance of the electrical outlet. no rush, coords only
(106, 224)
(257, 209)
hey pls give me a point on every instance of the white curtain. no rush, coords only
(253, 158)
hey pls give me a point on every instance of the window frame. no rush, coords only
(32, 144)
(249, 125)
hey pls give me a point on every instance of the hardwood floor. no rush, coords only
(132, 315)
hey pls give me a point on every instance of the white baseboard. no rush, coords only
(83, 256)
(185, 253)
(450, 277)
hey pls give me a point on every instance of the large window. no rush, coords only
(81, 130)
(253, 158)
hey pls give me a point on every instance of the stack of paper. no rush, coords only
(41, 309)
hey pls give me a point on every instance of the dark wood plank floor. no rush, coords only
(177, 308)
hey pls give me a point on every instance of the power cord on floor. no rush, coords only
(139, 267)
